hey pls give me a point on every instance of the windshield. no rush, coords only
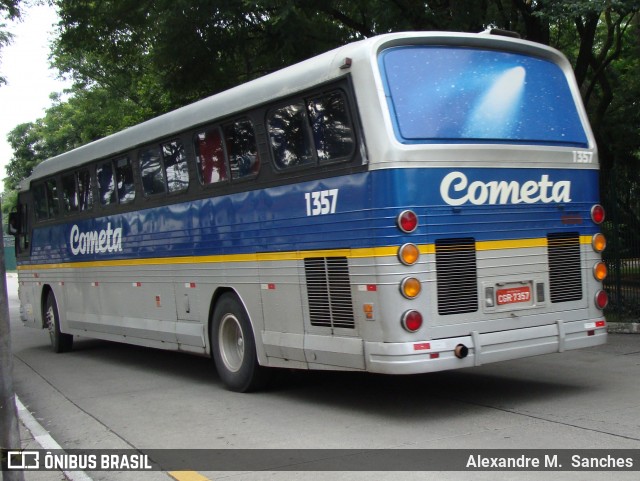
(467, 95)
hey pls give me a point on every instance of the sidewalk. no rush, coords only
(28, 441)
(34, 436)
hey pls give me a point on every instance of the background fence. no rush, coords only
(621, 198)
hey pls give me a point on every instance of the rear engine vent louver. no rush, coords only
(329, 292)
(457, 276)
(565, 274)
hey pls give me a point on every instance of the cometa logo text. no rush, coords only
(95, 242)
(455, 189)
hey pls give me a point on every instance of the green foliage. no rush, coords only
(9, 10)
(164, 54)
(87, 115)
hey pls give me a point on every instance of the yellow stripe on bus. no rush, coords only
(511, 244)
(361, 253)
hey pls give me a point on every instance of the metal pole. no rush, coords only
(9, 429)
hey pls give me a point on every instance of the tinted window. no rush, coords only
(331, 126)
(316, 130)
(69, 193)
(40, 202)
(22, 245)
(452, 94)
(115, 181)
(76, 191)
(52, 198)
(210, 158)
(151, 171)
(241, 149)
(164, 168)
(124, 180)
(290, 136)
(45, 198)
(175, 166)
(106, 183)
(85, 193)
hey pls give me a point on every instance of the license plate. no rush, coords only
(513, 295)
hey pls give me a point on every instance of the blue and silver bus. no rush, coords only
(408, 203)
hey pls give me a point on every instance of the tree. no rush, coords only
(87, 115)
(9, 10)
(132, 60)
(602, 30)
(164, 54)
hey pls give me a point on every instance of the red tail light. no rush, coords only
(412, 321)
(602, 299)
(407, 221)
(597, 214)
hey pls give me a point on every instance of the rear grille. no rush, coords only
(329, 292)
(565, 274)
(457, 277)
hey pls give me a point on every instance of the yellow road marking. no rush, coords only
(187, 476)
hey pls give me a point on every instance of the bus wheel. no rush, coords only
(234, 348)
(59, 342)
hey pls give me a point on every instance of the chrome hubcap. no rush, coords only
(231, 342)
(50, 320)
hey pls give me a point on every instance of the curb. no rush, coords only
(44, 439)
(623, 327)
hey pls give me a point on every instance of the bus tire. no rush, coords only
(233, 347)
(60, 342)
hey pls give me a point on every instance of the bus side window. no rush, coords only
(331, 126)
(124, 180)
(241, 148)
(106, 184)
(289, 136)
(45, 197)
(19, 227)
(212, 167)
(175, 166)
(84, 192)
(52, 198)
(40, 202)
(76, 191)
(69, 193)
(25, 229)
(151, 171)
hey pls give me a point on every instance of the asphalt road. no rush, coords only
(106, 395)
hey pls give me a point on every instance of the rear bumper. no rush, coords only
(483, 348)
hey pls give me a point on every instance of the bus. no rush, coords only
(408, 203)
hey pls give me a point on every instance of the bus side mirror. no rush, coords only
(13, 224)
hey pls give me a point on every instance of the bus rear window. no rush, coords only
(466, 95)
